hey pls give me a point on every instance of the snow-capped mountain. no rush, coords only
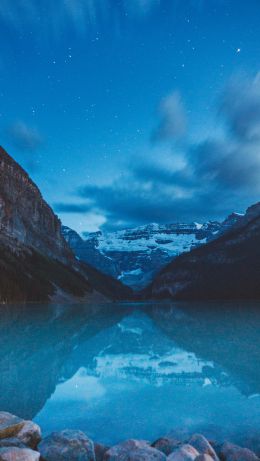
(134, 256)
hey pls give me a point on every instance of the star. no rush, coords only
(238, 50)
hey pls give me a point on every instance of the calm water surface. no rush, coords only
(121, 371)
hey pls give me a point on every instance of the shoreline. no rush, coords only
(21, 440)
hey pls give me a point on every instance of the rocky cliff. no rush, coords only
(36, 263)
(225, 268)
(24, 214)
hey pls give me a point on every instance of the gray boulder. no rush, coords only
(30, 434)
(201, 444)
(203, 458)
(10, 425)
(166, 444)
(184, 453)
(18, 454)
(146, 454)
(67, 445)
(121, 451)
(12, 442)
(231, 452)
(100, 450)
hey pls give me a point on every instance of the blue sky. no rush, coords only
(133, 111)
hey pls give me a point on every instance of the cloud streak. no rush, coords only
(24, 137)
(173, 120)
(215, 177)
(79, 14)
(241, 108)
(73, 208)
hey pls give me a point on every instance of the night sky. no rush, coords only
(126, 112)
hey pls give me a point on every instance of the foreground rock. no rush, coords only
(146, 454)
(10, 425)
(121, 451)
(67, 445)
(231, 452)
(30, 434)
(201, 444)
(166, 444)
(203, 458)
(100, 451)
(12, 442)
(18, 454)
(26, 432)
(20, 441)
(184, 453)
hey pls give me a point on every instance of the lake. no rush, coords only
(119, 371)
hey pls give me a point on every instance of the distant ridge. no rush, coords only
(225, 268)
(136, 255)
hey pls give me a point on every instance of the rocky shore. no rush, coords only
(21, 440)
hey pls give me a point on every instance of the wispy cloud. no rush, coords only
(24, 137)
(27, 142)
(173, 120)
(141, 6)
(79, 14)
(241, 107)
(73, 208)
(215, 176)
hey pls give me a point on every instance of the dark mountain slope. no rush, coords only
(226, 268)
(106, 285)
(26, 276)
(24, 214)
(36, 264)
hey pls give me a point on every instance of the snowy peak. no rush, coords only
(171, 237)
(135, 255)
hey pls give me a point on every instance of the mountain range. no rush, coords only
(135, 256)
(43, 261)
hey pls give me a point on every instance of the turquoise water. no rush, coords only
(120, 371)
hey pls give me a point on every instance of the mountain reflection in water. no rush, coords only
(119, 371)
